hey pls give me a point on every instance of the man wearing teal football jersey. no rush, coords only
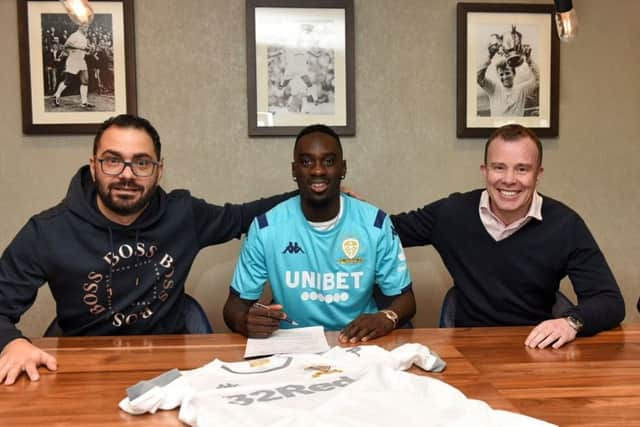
(323, 254)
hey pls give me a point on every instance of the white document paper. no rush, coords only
(298, 340)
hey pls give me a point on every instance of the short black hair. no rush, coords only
(129, 121)
(514, 132)
(320, 129)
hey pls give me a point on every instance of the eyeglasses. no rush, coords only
(114, 166)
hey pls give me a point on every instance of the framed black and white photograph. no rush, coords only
(73, 77)
(300, 66)
(508, 68)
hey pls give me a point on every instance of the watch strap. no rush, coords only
(391, 315)
(575, 323)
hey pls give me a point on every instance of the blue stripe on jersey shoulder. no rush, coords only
(380, 216)
(262, 221)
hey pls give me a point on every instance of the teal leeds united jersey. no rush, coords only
(322, 277)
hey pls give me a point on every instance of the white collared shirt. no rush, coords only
(494, 225)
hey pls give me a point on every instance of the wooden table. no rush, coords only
(593, 381)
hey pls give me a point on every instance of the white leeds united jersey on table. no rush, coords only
(322, 277)
(358, 386)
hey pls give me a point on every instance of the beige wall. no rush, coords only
(191, 84)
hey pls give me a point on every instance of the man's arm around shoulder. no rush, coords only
(416, 227)
(218, 224)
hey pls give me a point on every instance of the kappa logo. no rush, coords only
(293, 248)
(227, 385)
(355, 350)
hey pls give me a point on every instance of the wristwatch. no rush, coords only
(391, 315)
(575, 323)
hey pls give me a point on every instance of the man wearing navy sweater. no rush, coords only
(508, 247)
(116, 252)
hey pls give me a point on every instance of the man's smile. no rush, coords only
(319, 186)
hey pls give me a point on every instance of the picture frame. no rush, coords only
(100, 57)
(508, 68)
(300, 66)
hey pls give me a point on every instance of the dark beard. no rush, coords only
(121, 208)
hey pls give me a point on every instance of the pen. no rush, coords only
(266, 307)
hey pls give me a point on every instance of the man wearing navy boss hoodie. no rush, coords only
(116, 251)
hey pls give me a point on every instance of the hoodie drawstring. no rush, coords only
(137, 257)
(110, 278)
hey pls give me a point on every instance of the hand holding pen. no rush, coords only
(276, 308)
(264, 320)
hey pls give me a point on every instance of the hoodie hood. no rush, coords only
(81, 201)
